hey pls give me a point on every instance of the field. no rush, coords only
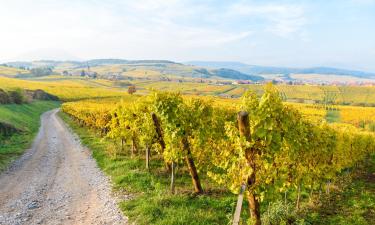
(25, 118)
(66, 89)
(11, 72)
(200, 135)
(328, 78)
(75, 88)
(342, 95)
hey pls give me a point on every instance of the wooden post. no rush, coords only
(243, 124)
(244, 129)
(298, 197)
(191, 166)
(132, 153)
(328, 187)
(158, 130)
(254, 208)
(172, 179)
(122, 144)
(237, 213)
(285, 198)
(147, 157)
(134, 145)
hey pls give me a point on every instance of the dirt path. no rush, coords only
(56, 182)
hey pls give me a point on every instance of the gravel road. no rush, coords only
(56, 182)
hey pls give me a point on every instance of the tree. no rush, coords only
(132, 89)
(41, 71)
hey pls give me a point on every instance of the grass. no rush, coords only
(353, 205)
(333, 116)
(24, 117)
(151, 202)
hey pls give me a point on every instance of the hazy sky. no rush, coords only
(337, 33)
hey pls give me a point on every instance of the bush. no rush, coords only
(4, 97)
(370, 127)
(279, 213)
(17, 96)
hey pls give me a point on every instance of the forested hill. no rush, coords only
(258, 70)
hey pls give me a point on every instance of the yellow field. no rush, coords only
(312, 112)
(77, 88)
(10, 71)
(66, 90)
(358, 116)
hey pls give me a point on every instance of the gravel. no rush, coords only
(57, 182)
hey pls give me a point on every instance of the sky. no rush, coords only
(304, 33)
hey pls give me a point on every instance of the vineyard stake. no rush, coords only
(147, 157)
(244, 129)
(237, 213)
(172, 179)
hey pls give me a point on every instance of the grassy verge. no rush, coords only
(25, 117)
(353, 205)
(150, 201)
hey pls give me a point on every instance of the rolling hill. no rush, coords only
(193, 70)
(262, 70)
(120, 68)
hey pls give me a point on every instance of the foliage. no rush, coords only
(146, 199)
(41, 71)
(17, 96)
(279, 213)
(131, 89)
(283, 153)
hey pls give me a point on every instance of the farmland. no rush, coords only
(118, 128)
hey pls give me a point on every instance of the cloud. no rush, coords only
(145, 28)
(170, 23)
(284, 20)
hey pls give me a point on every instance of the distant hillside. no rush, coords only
(92, 62)
(12, 71)
(236, 75)
(261, 70)
(158, 69)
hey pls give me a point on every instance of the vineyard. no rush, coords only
(340, 95)
(65, 89)
(77, 88)
(283, 155)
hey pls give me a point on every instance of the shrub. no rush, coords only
(17, 96)
(279, 213)
(4, 97)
